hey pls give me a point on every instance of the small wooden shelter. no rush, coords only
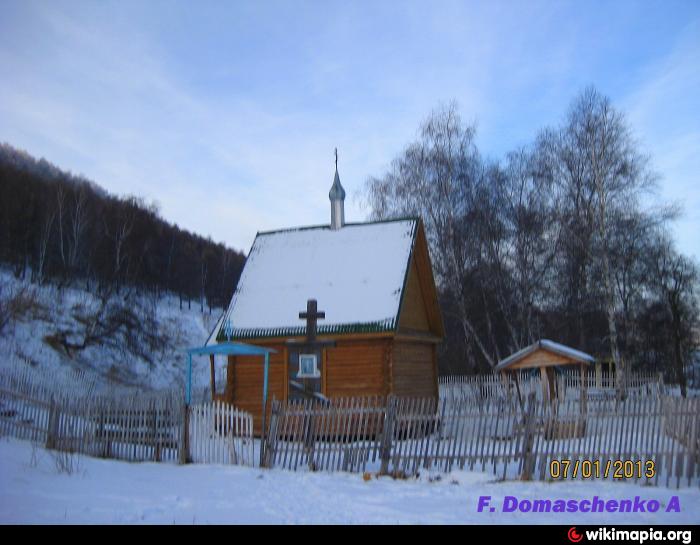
(547, 356)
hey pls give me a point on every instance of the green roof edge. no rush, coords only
(298, 331)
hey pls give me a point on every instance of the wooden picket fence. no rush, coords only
(125, 425)
(405, 436)
(340, 434)
(477, 424)
(131, 427)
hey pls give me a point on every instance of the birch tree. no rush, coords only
(606, 173)
(78, 224)
(118, 233)
(440, 178)
(524, 244)
(43, 243)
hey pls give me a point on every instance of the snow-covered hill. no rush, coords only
(123, 338)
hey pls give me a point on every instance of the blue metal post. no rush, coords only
(188, 396)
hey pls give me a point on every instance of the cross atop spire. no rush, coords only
(336, 159)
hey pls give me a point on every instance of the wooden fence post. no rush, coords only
(309, 439)
(692, 447)
(271, 437)
(52, 431)
(154, 430)
(387, 435)
(527, 456)
(185, 435)
(101, 433)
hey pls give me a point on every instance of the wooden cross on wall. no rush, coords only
(311, 315)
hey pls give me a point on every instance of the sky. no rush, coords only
(226, 113)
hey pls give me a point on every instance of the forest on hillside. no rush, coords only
(60, 227)
(553, 241)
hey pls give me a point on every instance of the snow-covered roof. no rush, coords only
(551, 346)
(211, 339)
(357, 275)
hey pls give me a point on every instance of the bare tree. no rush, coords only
(203, 282)
(524, 243)
(119, 233)
(60, 207)
(605, 174)
(675, 279)
(78, 225)
(440, 178)
(43, 244)
(552, 241)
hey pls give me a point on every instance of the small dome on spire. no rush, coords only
(337, 197)
(337, 192)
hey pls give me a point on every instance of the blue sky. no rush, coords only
(226, 113)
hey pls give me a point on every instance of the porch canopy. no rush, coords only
(228, 349)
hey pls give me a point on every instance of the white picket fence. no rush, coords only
(568, 383)
(220, 433)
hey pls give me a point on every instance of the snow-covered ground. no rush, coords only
(32, 490)
(23, 341)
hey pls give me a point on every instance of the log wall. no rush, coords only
(414, 370)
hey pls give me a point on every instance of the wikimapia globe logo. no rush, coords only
(573, 535)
